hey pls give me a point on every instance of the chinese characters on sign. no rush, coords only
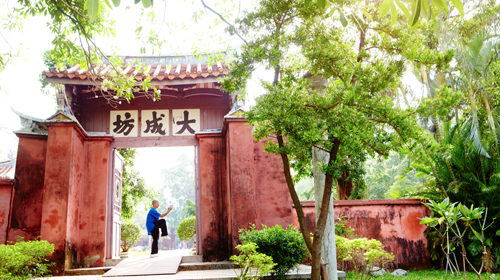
(185, 122)
(123, 123)
(154, 123)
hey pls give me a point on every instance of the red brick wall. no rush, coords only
(6, 188)
(61, 194)
(26, 216)
(394, 222)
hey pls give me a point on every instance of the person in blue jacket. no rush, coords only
(154, 224)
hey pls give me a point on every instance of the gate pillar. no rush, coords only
(73, 214)
(59, 166)
(27, 197)
(241, 176)
(212, 224)
(257, 188)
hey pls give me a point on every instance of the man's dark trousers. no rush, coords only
(160, 224)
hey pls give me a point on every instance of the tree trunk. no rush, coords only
(344, 188)
(328, 248)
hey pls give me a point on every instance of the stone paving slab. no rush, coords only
(303, 272)
(205, 266)
(160, 265)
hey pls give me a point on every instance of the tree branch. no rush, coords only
(293, 194)
(71, 8)
(223, 19)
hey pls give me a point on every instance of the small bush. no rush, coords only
(253, 265)
(131, 233)
(25, 260)
(285, 246)
(187, 230)
(363, 253)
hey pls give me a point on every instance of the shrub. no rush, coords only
(187, 230)
(253, 265)
(363, 253)
(25, 260)
(286, 246)
(342, 228)
(131, 233)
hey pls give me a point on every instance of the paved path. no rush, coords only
(304, 272)
(161, 265)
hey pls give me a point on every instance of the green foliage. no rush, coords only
(285, 246)
(391, 177)
(362, 253)
(134, 188)
(459, 156)
(466, 177)
(414, 11)
(305, 187)
(187, 230)
(342, 228)
(253, 265)
(189, 209)
(130, 234)
(353, 115)
(177, 188)
(457, 219)
(25, 260)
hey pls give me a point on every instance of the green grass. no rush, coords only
(134, 254)
(430, 274)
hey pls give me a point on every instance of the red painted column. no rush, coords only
(26, 209)
(241, 174)
(56, 190)
(91, 244)
(213, 204)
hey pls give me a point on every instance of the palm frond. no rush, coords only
(471, 134)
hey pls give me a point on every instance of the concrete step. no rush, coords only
(205, 266)
(87, 271)
(112, 262)
(192, 259)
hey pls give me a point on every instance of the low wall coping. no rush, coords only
(368, 202)
(7, 182)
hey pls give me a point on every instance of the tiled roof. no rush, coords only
(6, 167)
(4, 171)
(156, 72)
(196, 86)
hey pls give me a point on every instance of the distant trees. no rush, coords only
(391, 177)
(177, 188)
(134, 188)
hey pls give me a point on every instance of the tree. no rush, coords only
(461, 161)
(413, 10)
(130, 234)
(177, 188)
(353, 117)
(187, 230)
(189, 209)
(134, 188)
(391, 177)
(77, 23)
